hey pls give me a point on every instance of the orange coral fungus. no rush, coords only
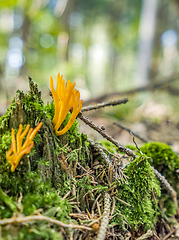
(65, 97)
(21, 148)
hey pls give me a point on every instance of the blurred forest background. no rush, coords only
(105, 46)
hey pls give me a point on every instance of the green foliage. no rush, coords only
(137, 191)
(9, 3)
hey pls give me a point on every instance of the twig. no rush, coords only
(168, 187)
(105, 220)
(169, 234)
(102, 105)
(137, 145)
(113, 206)
(128, 130)
(71, 234)
(148, 234)
(92, 209)
(88, 172)
(123, 201)
(156, 235)
(121, 148)
(66, 195)
(98, 207)
(15, 220)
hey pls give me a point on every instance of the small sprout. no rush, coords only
(21, 149)
(65, 97)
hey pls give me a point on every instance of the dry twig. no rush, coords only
(168, 187)
(128, 130)
(169, 234)
(148, 234)
(121, 148)
(105, 104)
(15, 220)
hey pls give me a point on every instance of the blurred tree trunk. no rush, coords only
(146, 35)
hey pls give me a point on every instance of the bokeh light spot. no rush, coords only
(18, 21)
(46, 40)
(78, 50)
(15, 58)
(169, 38)
(16, 42)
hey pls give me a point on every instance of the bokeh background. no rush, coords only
(105, 46)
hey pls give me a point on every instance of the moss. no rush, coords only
(137, 191)
(51, 203)
(38, 175)
(162, 158)
(57, 165)
(109, 146)
(42, 232)
(166, 162)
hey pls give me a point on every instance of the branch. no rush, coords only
(15, 220)
(102, 105)
(121, 148)
(168, 187)
(128, 130)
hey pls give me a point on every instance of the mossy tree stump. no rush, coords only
(66, 178)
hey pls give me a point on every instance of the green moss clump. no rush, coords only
(166, 162)
(109, 146)
(162, 158)
(137, 191)
(51, 203)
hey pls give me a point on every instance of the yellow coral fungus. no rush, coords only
(65, 97)
(21, 149)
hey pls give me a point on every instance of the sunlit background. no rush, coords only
(102, 45)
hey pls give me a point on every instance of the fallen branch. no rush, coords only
(15, 220)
